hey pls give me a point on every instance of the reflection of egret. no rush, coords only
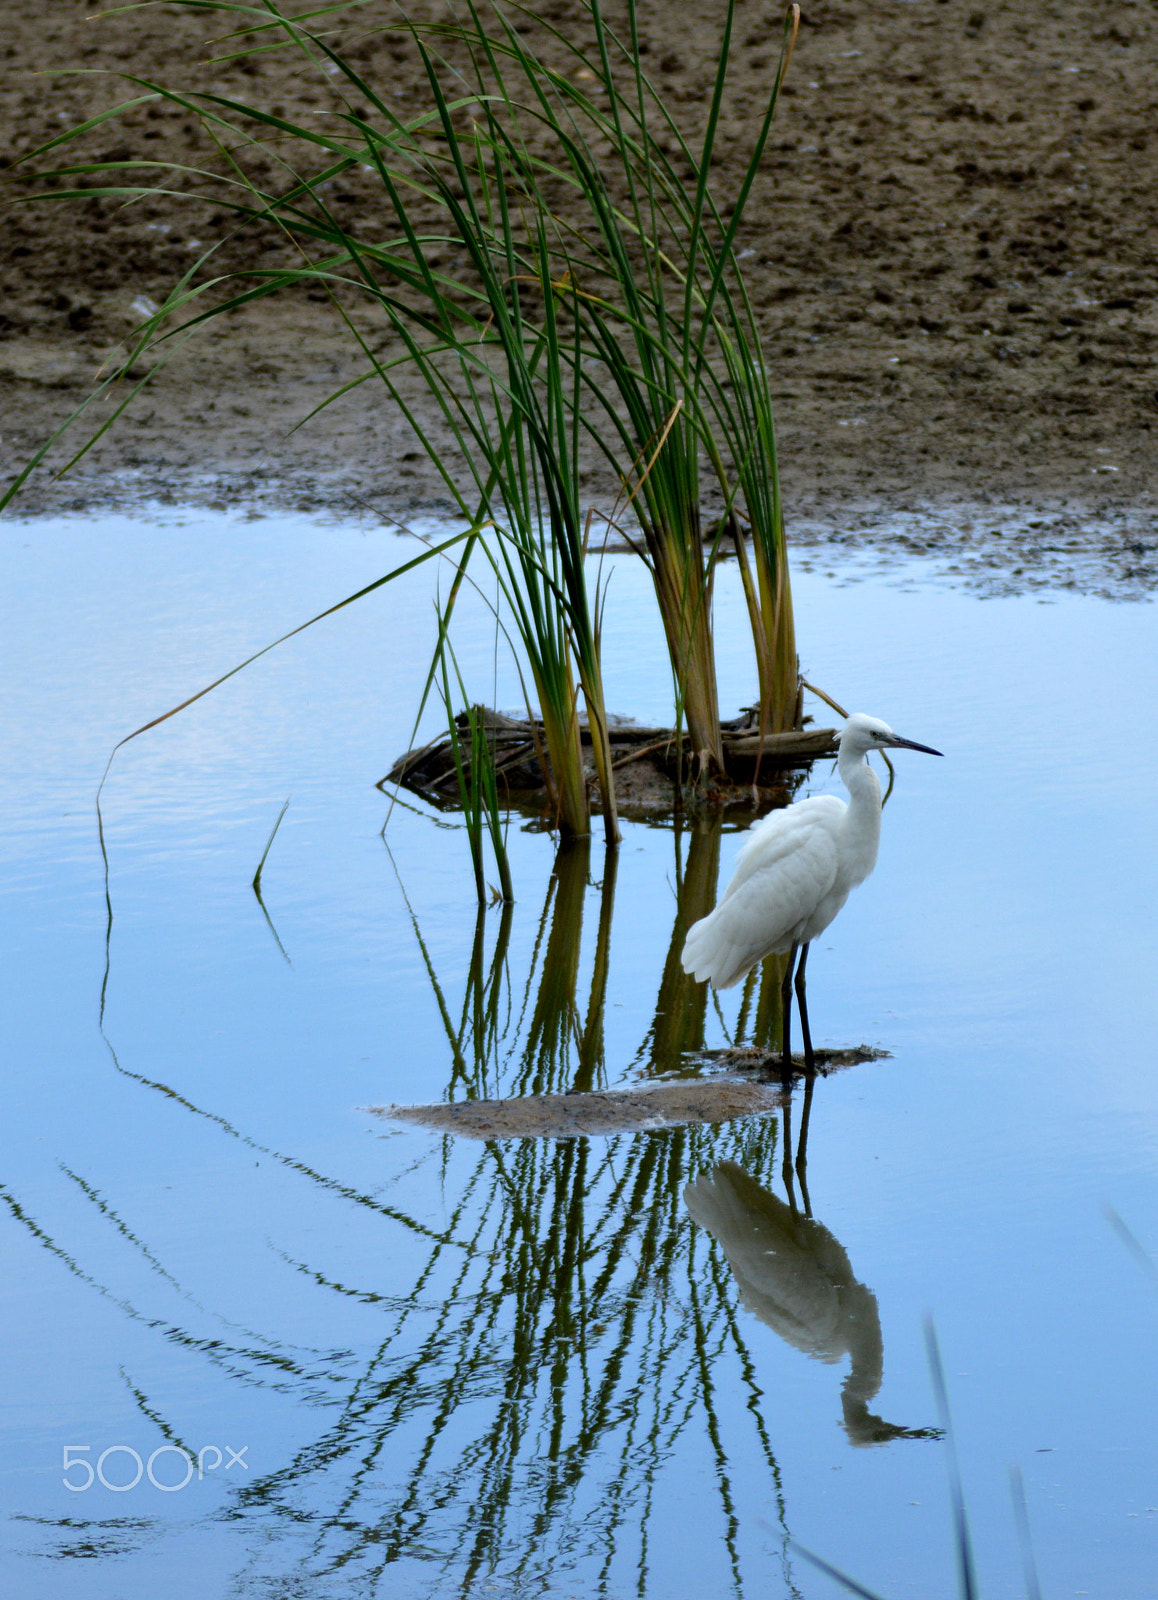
(796, 1277)
(794, 874)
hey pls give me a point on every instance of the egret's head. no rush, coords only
(862, 733)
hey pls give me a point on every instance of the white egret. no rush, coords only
(796, 870)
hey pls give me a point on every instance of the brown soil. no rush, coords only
(952, 246)
(666, 1104)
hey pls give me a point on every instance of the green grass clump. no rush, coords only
(594, 316)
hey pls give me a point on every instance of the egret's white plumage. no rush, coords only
(798, 866)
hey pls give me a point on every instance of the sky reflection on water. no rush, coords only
(526, 1361)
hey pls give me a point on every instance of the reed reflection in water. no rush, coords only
(563, 1345)
(577, 1344)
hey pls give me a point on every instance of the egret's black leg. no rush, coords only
(802, 1007)
(786, 1167)
(802, 1147)
(786, 1016)
(809, 1081)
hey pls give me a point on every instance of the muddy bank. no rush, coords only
(951, 248)
(644, 1106)
(610, 1111)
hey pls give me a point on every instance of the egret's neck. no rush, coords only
(864, 807)
(859, 779)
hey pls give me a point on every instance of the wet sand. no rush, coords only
(951, 247)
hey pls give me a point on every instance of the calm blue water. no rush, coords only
(522, 1369)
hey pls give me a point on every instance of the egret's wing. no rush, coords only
(784, 875)
(777, 834)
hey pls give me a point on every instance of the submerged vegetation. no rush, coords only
(549, 291)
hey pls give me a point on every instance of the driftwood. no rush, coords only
(796, 748)
(650, 762)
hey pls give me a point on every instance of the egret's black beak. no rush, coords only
(907, 744)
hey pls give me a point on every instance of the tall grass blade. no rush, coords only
(256, 884)
(467, 777)
(837, 1576)
(474, 765)
(1133, 1244)
(1024, 1538)
(155, 722)
(966, 1574)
